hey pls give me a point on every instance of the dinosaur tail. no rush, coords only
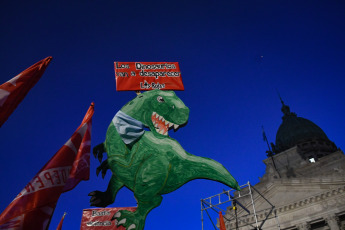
(205, 168)
(194, 167)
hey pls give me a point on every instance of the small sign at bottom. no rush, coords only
(100, 218)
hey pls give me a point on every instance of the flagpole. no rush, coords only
(269, 152)
(50, 219)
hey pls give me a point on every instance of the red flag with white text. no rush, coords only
(14, 91)
(34, 205)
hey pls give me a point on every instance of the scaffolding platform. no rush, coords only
(238, 208)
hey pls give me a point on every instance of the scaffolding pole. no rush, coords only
(251, 197)
(213, 203)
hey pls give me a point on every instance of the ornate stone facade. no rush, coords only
(306, 188)
(307, 196)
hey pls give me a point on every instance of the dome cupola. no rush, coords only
(297, 131)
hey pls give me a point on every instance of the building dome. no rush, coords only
(301, 132)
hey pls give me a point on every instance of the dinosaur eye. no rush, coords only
(160, 99)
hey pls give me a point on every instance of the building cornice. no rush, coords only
(291, 207)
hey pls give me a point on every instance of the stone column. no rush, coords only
(332, 222)
(304, 226)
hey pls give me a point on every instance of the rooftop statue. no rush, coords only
(150, 163)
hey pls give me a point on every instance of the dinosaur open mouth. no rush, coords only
(162, 126)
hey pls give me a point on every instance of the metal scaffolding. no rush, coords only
(239, 210)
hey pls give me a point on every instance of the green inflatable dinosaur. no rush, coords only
(150, 163)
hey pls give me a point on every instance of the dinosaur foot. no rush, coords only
(129, 220)
(100, 199)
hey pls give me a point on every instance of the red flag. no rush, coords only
(14, 91)
(221, 221)
(59, 227)
(34, 205)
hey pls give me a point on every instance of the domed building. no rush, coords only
(303, 186)
(297, 131)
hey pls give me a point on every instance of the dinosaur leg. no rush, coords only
(103, 199)
(136, 220)
(150, 179)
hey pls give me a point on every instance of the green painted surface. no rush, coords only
(155, 164)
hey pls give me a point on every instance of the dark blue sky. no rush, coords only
(233, 56)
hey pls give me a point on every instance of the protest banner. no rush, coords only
(142, 76)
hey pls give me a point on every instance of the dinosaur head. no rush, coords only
(159, 110)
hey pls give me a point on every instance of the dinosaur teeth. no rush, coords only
(159, 121)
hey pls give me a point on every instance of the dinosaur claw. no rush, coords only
(92, 193)
(95, 152)
(95, 202)
(132, 226)
(117, 215)
(122, 221)
(100, 199)
(98, 151)
(128, 219)
(103, 167)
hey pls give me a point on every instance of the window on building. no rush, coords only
(321, 225)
